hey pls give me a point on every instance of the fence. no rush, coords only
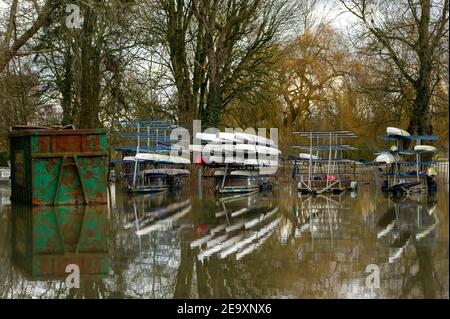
(361, 173)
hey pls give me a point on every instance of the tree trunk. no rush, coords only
(211, 116)
(90, 72)
(420, 122)
(66, 89)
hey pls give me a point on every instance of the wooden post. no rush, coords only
(199, 180)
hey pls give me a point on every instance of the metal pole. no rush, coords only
(148, 137)
(310, 158)
(138, 138)
(329, 159)
(417, 165)
(224, 176)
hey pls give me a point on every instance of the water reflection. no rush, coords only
(319, 216)
(260, 245)
(38, 243)
(241, 225)
(146, 252)
(409, 228)
(47, 239)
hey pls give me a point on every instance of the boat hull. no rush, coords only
(242, 184)
(148, 189)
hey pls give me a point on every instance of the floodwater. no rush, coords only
(195, 245)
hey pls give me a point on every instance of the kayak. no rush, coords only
(425, 148)
(397, 131)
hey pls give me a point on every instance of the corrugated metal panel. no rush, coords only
(59, 167)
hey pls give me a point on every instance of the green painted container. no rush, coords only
(46, 239)
(58, 167)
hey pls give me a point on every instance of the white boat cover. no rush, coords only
(386, 158)
(396, 131)
(425, 148)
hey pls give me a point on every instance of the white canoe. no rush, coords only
(206, 137)
(247, 148)
(386, 158)
(396, 131)
(425, 148)
(251, 161)
(268, 162)
(218, 148)
(152, 157)
(162, 158)
(239, 173)
(235, 138)
(267, 150)
(255, 139)
(229, 137)
(167, 171)
(179, 160)
(308, 156)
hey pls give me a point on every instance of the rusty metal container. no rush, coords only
(58, 167)
(46, 239)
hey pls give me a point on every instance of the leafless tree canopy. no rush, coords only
(353, 64)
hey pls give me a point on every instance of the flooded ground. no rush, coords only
(195, 245)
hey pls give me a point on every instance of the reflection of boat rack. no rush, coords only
(319, 215)
(327, 169)
(407, 221)
(148, 220)
(240, 231)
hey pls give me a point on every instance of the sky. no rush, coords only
(340, 20)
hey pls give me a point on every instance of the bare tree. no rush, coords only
(236, 35)
(410, 35)
(10, 50)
